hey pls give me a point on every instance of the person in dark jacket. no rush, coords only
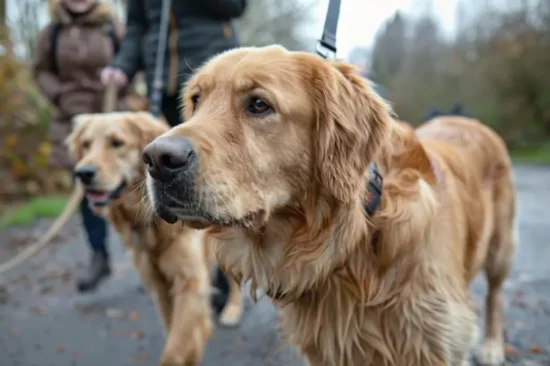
(198, 30)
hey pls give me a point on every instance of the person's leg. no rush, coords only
(96, 231)
(172, 110)
(220, 297)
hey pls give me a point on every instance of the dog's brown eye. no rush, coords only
(258, 106)
(195, 99)
(116, 143)
(85, 144)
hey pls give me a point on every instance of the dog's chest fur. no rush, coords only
(140, 232)
(334, 328)
(332, 324)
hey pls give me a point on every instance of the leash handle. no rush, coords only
(110, 97)
(326, 46)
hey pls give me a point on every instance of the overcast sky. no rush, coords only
(360, 19)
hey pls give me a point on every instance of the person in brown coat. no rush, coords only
(72, 49)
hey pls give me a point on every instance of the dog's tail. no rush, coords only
(70, 207)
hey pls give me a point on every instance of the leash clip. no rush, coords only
(325, 50)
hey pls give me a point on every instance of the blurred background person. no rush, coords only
(79, 41)
(198, 30)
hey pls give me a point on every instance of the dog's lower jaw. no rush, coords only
(165, 214)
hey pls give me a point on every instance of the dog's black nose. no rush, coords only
(86, 174)
(166, 157)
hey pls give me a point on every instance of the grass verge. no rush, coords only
(539, 154)
(35, 208)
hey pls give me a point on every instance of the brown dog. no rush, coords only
(173, 261)
(274, 158)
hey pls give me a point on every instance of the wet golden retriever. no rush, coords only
(274, 159)
(172, 261)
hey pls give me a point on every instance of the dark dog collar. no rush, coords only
(374, 190)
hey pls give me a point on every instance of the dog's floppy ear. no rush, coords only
(352, 122)
(72, 141)
(146, 127)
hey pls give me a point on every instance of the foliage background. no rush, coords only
(496, 65)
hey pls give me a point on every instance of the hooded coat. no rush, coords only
(73, 86)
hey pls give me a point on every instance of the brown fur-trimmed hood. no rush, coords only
(100, 13)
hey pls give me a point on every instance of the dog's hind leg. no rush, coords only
(497, 266)
(233, 310)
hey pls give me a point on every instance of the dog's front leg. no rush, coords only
(155, 284)
(163, 301)
(191, 324)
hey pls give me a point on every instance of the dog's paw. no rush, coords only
(231, 315)
(175, 358)
(491, 353)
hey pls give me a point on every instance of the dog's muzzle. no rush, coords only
(172, 165)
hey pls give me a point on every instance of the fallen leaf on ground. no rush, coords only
(144, 356)
(510, 350)
(134, 315)
(38, 309)
(89, 314)
(15, 333)
(238, 340)
(119, 272)
(61, 348)
(47, 290)
(537, 349)
(138, 334)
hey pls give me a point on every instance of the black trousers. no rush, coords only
(172, 109)
(96, 228)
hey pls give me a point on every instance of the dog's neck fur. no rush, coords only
(337, 273)
(130, 208)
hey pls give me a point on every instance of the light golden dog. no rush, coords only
(173, 261)
(274, 159)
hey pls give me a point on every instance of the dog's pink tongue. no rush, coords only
(97, 196)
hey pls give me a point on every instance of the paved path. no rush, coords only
(43, 322)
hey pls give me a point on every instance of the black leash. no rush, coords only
(155, 101)
(326, 48)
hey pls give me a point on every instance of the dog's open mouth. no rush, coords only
(103, 198)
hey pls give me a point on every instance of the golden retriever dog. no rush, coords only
(277, 158)
(172, 261)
